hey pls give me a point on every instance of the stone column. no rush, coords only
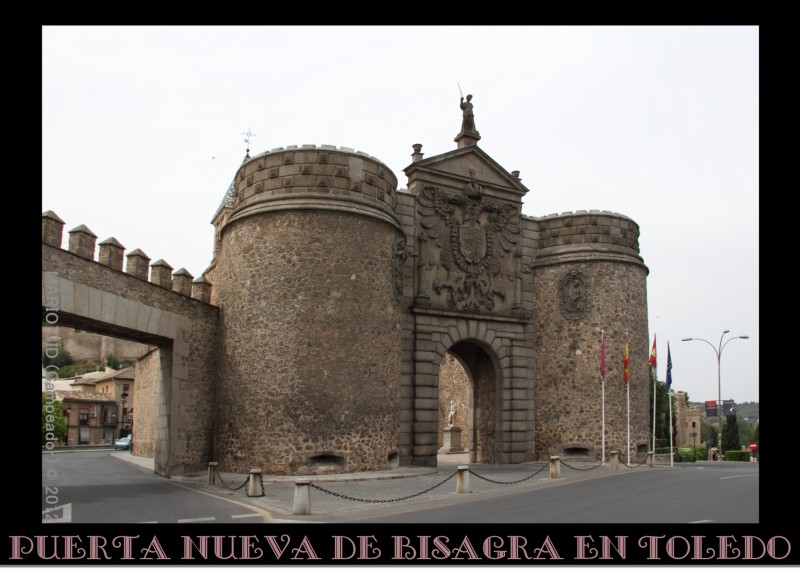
(555, 467)
(254, 484)
(302, 497)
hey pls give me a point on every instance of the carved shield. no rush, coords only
(472, 240)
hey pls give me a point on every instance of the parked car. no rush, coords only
(123, 443)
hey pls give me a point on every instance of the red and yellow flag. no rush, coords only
(625, 370)
(653, 353)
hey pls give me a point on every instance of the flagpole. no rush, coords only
(653, 375)
(669, 398)
(671, 453)
(628, 391)
(629, 422)
(603, 397)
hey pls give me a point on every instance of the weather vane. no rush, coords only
(248, 136)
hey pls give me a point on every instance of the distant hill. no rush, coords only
(744, 410)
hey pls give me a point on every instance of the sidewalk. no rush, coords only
(408, 483)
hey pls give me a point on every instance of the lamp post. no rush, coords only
(123, 399)
(694, 451)
(718, 351)
(66, 423)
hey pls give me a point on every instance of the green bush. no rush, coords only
(61, 359)
(67, 371)
(737, 456)
(112, 362)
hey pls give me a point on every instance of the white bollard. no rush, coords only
(254, 485)
(212, 473)
(302, 497)
(650, 459)
(555, 467)
(462, 480)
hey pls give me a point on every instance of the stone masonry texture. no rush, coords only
(340, 316)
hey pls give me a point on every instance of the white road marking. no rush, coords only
(193, 519)
(148, 522)
(702, 521)
(246, 515)
(741, 476)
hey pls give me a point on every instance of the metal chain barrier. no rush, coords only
(633, 467)
(315, 486)
(537, 472)
(241, 486)
(563, 463)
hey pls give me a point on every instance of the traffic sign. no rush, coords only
(753, 446)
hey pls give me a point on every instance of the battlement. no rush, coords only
(313, 177)
(593, 230)
(82, 243)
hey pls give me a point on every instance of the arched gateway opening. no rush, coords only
(468, 402)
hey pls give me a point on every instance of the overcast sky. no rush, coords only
(143, 127)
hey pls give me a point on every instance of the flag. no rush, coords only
(669, 368)
(625, 370)
(653, 353)
(602, 355)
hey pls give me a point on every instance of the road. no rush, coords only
(687, 493)
(97, 487)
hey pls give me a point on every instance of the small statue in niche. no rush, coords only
(451, 416)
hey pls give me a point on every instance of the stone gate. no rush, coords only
(335, 297)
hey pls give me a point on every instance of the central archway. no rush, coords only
(468, 376)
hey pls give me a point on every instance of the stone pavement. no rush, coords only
(408, 483)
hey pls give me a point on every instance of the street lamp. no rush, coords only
(718, 351)
(694, 447)
(124, 398)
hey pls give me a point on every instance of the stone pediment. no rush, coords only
(452, 170)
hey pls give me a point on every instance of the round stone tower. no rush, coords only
(308, 278)
(589, 278)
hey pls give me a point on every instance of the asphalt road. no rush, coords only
(96, 487)
(687, 493)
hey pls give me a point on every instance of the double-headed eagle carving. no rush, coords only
(474, 235)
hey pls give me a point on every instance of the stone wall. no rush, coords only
(147, 371)
(96, 297)
(91, 346)
(310, 344)
(454, 384)
(568, 392)
(309, 278)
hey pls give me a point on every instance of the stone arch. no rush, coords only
(484, 376)
(496, 350)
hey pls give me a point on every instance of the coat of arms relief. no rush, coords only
(474, 235)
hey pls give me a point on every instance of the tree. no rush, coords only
(708, 432)
(53, 426)
(112, 362)
(730, 435)
(662, 411)
(62, 358)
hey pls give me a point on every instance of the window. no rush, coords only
(83, 418)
